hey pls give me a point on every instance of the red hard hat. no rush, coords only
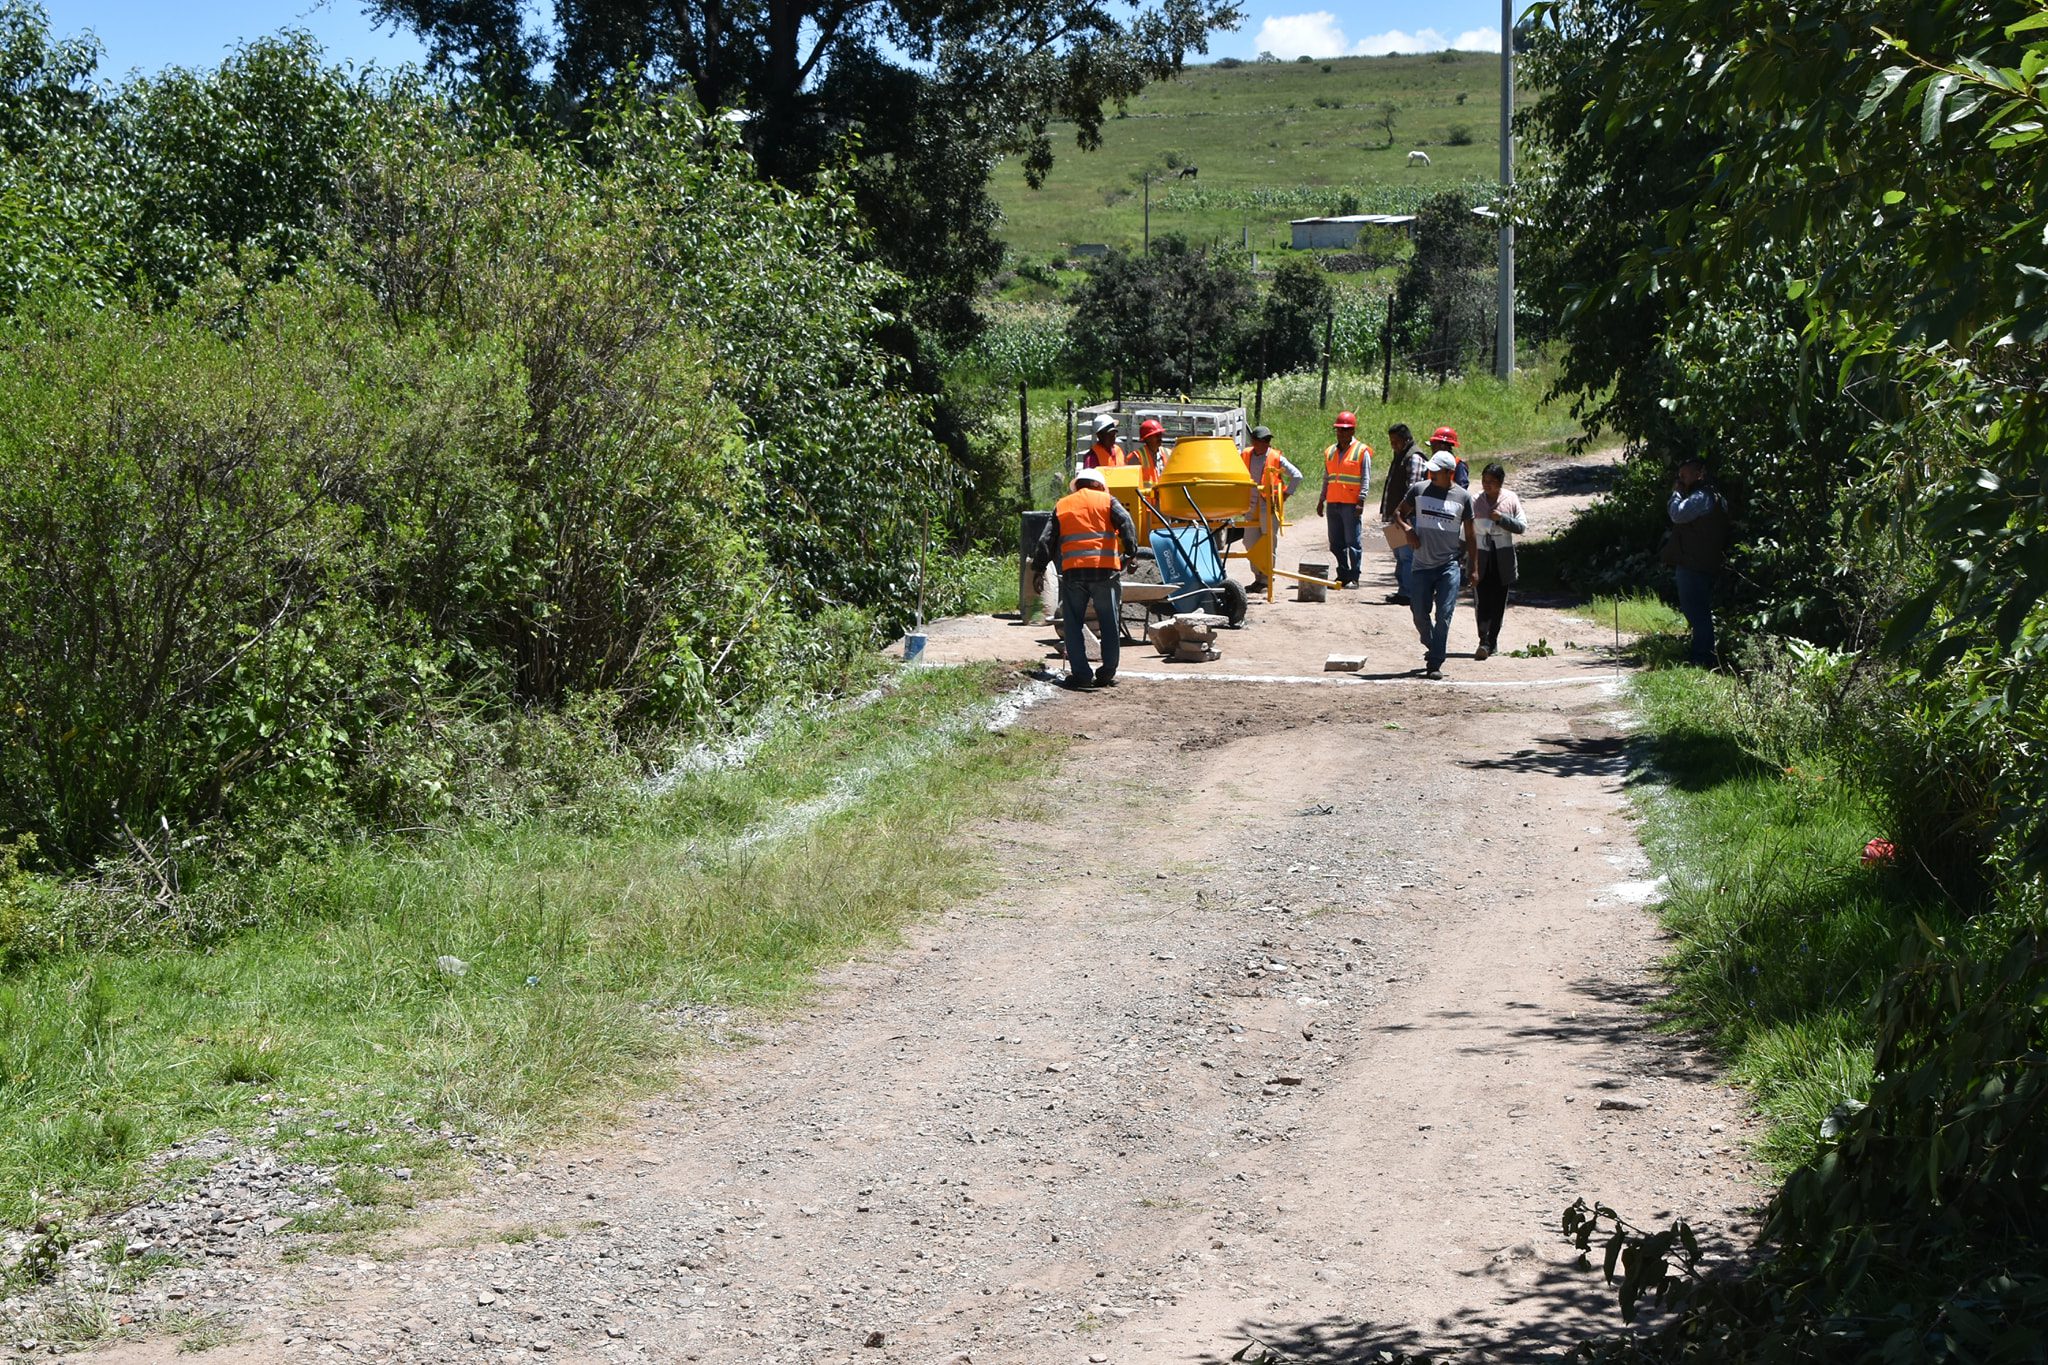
(1345, 419)
(1151, 426)
(1447, 436)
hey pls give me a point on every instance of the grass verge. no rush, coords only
(388, 1000)
(1783, 936)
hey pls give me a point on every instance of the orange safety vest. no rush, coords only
(1087, 530)
(1272, 480)
(1110, 458)
(1346, 472)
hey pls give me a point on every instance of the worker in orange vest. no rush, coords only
(1091, 535)
(1347, 473)
(1152, 432)
(1276, 478)
(1105, 453)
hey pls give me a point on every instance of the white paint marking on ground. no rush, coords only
(1346, 680)
(1011, 706)
(995, 715)
(719, 755)
(1634, 893)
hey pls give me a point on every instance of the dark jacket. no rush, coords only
(1404, 471)
(1699, 529)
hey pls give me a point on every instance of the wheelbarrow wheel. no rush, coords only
(1235, 602)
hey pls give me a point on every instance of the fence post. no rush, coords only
(1387, 356)
(1024, 434)
(1259, 398)
(1329, 335)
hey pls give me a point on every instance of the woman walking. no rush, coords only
(1497, 517)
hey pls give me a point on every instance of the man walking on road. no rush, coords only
(1276, 478)
(1694, 551)
(1347, 473)
(1092, 535)
(1436, 516)
(1404, 471)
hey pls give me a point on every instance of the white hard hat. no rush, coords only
(1104, 423)
(1093, 476)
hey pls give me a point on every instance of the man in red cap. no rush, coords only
(1151, 432)
(1347, 473)
(1446, 440)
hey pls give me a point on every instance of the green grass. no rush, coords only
(1782, 936)
(1635, 614)
(575, 940)
(1266, 149)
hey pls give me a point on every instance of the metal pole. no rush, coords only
(1024, 434)
(1148, 213)
(1329, 334)
(1504, 350)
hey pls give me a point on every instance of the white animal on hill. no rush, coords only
(1418, 158)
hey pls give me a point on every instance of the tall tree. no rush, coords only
(931, 93)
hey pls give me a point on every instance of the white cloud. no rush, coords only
(1394, 40)
(1301, 35)
(1318, 34)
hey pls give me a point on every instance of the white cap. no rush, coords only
(1443, 459)
(1093, 476)
(1104, 423)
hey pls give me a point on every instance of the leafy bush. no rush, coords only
(1291, 321)
(1170, 320)
(526, 438)
(1459, 134)
(1446, 287)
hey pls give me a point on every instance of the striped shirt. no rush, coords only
(1439, 519)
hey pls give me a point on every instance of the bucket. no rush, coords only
(1312, 592)
(913, 647)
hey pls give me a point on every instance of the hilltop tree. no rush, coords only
(929, 93)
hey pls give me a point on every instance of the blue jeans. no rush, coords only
(1696, 601)
(1346, 523)
(1076, 593)
(1404, 570)
(1435, 590)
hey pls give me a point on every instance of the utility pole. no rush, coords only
(1148, 213)
(1504, 346)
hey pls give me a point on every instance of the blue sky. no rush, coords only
(151, 34)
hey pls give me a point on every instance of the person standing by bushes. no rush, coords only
(1694, 550)
(1404, 471)
(1497, 520)
(1347, 473)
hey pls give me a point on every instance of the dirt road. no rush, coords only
(1303, 1007)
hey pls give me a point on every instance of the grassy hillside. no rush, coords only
(1273, 141)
